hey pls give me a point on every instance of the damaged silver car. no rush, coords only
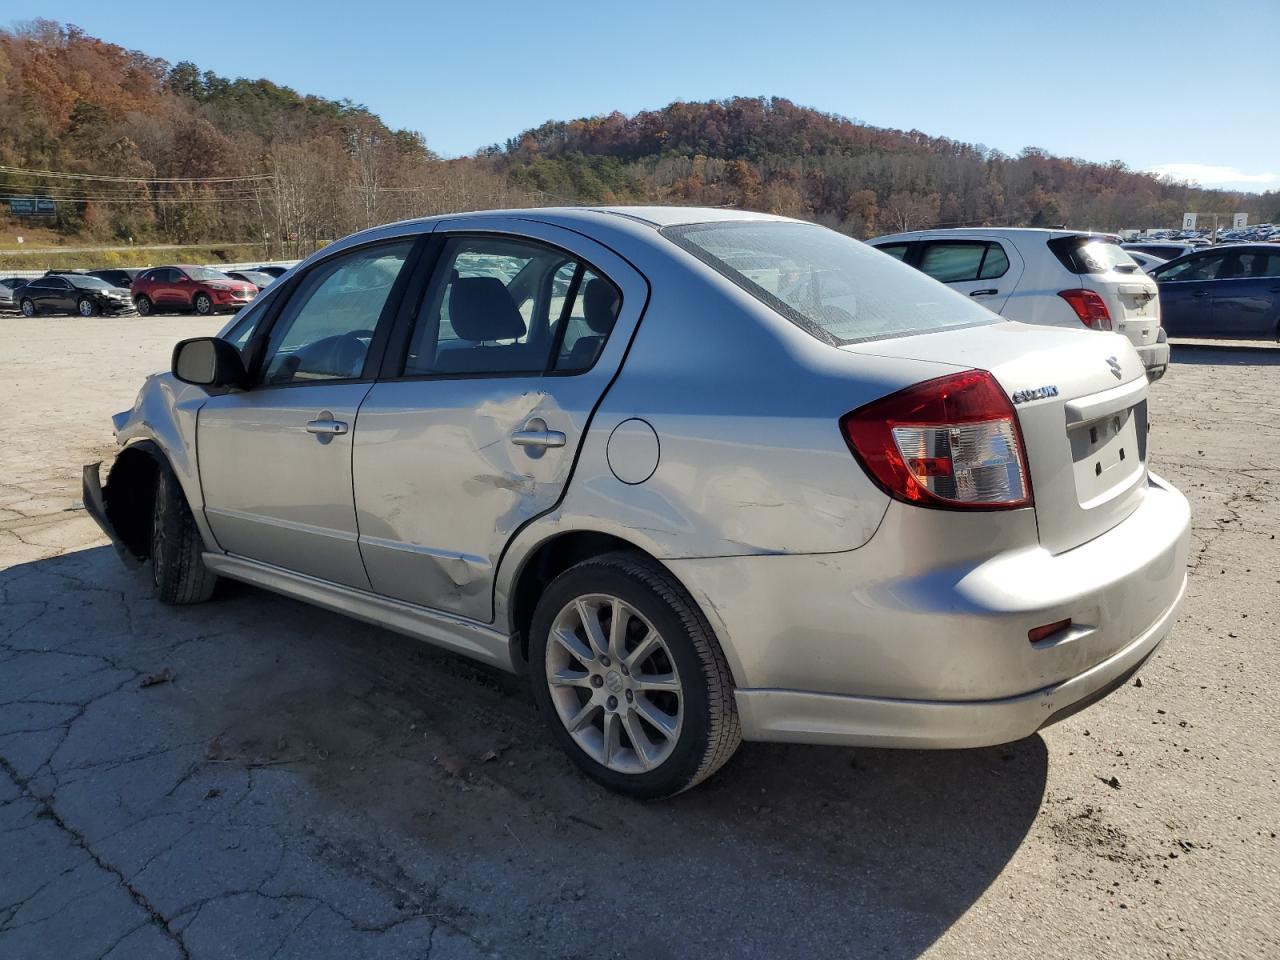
(703, 475)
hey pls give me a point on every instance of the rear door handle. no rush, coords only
(1201, 293)
(535, 434)
(538, 438)
(325, 425)
(984, 293)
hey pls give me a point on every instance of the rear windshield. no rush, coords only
(1085, 254)
(835, 288)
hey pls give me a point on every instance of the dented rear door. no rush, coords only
(449, 463)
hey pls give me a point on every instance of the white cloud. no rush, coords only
(1208, 175)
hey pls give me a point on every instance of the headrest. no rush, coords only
(481, 309)
(599, 305)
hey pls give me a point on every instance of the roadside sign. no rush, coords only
(1188, 221)
(1239, 221)
(32, 207)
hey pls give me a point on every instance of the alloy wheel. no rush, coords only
(614, 683)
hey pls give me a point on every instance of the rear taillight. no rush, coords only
(952, 442)
(1089, 307)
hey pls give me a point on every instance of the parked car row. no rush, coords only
(89, 293)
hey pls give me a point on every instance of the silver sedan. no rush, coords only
(703, 475)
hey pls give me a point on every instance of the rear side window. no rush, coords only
(1252, 265)
(896, 250)
(1086, 254)
(503, 305)
(954, 261)
(833, 287)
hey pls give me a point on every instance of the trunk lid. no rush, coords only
(1081, 400)
(1133, 300)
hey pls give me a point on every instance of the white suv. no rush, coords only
(1059, 278)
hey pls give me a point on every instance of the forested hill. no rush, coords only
(133, 148)
(771, 154)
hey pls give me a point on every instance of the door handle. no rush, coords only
(326, 426)
(538, 438)
(535, 434)
(984, 293)
(1201, 293)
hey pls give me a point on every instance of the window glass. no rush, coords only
(1194, 268)
(324, 330)
(952, 261)
(1251, 265)
(833, 287)
(896, 250)
(204, 274)
(995, 264)
(494, 305)
(589, 320)
(91, 283)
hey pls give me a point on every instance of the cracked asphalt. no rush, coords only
(256, 778)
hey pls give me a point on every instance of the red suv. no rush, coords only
(189, 288)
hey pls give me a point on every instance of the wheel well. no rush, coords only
(130, 496)
(549, 561)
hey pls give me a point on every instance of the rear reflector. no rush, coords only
(951, 443)
(1036, 634)
(1089, 307)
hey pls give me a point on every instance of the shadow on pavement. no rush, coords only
(420, 767)
(1225, 353)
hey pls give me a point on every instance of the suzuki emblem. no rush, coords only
(1114, 364)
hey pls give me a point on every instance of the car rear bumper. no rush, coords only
(1155, 357)
(800, 716)
(920, 637)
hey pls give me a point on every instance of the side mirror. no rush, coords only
(182, 278)
(208, 362)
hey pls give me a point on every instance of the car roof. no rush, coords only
(1049, 233)
(654, 216)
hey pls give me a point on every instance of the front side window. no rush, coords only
(324, 330)
(1195, 268)
(832, 286)
(500, 305)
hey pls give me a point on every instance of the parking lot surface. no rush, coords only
(257, 778)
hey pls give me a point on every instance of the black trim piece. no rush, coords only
(401, 334)
(566, 311)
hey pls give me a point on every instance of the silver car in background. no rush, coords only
(704, 475)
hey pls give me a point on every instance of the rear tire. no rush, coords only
(647, 710)
(88, 308)
(143, 306)
(28, 308)
(177, 568)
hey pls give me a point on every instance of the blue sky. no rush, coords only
(1176, 85)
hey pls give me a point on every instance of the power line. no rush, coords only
(243, 199)
(64, 175)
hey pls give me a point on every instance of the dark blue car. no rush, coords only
(1231, 291)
